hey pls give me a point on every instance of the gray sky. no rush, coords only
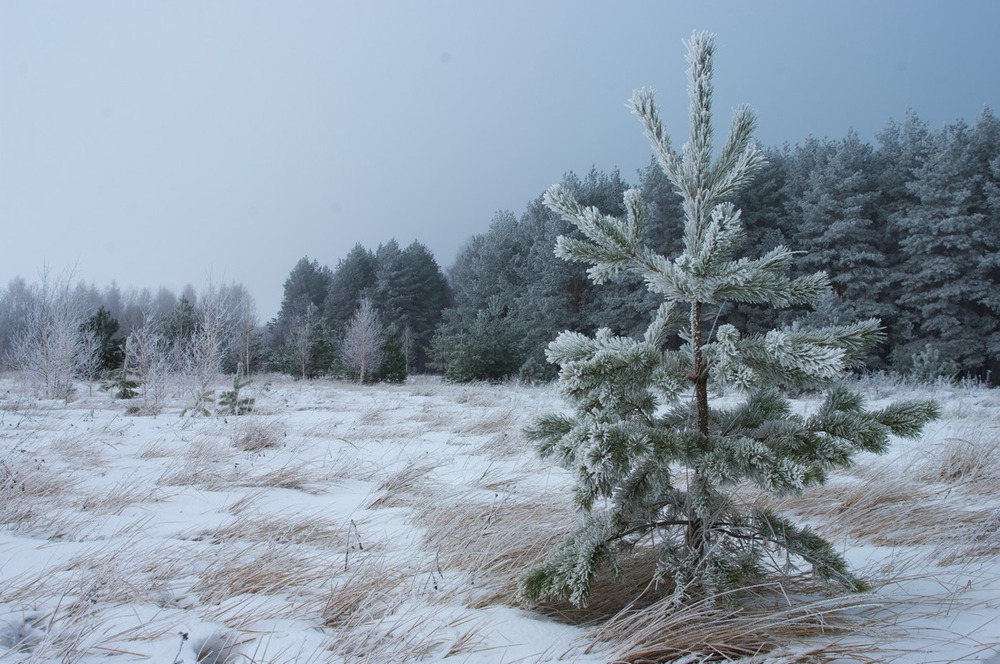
(165, 143)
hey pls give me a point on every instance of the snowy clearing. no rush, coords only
(391, 523)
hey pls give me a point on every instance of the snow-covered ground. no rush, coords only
(390, 523)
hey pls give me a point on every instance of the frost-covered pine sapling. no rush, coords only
(653, 461)
(121, 381)
(230, 402)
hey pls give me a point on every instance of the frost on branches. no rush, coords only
(652, 464)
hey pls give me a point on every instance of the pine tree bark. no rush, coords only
(699, 376)
(695, 538)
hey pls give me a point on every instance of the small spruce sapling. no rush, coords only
(653, 461)
(122, 381)
(230, 401)
(203, 400)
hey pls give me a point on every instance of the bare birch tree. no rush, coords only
(245, 320)
(205, 348)
(364, 340)
(49, 345)
(147, 356)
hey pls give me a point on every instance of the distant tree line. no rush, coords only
(58, 331)
(372, 317)
(908, 229)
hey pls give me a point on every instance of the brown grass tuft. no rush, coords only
(971, 462)
(704, 632)
(118, 497)
(280, 529)
(261, 569)
(884, 506)
(403, 487)
(254, 435)
(369, 589)
(491, 422)
(489, 541)
(300, 477)
(31, 488)
(503, 445)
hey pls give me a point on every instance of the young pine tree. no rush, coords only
(230, 401)
(654, 462)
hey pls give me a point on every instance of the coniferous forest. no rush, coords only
(908, 228)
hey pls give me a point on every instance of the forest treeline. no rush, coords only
(376, 311)
(907, 228)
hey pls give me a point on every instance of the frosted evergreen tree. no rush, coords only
(837, 230)
(354, 278)
(411, 292)
(652, 460)
(950, 288)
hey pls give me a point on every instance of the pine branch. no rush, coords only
(644, 107)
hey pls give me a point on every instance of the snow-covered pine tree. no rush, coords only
(654, 464)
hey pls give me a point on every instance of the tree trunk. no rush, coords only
(696, 538)
(699, 376)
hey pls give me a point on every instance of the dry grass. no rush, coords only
(297, 476)
(255, 435)
(39, 637)
(380, 612)
(324, 429)
(281, 529)
(98, 579)
(703, 632)
(261, 569)
(345, 463)
(404, 487)
(405, 636)
(475, 394)
(421, 387)
(198, 473)
(973, 540)
(157, 449)
(82, 448)
(611, 596)
(883, 506)
(116, 498)
(207, 464)
(491, 422)
(434, 417)
(971, 461)
(359, 436)
(931, 501)
(31, 487)
(372, 416)
(29, 474)
(489, 542)
(371, 587)
(503, 445)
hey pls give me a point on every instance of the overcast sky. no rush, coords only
(166, 143)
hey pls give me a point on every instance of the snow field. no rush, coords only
(391, 523)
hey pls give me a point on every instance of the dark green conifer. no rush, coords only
(230, 401)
